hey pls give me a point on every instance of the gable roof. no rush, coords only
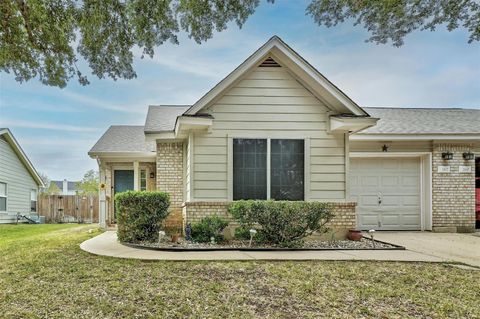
(162, 118)
(313, 80)
(424, 121)
(7, 134)
(123, 139)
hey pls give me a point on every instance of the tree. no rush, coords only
(46, 182)
(389, 20)
(45, 38)
(89, 184)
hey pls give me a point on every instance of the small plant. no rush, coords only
(140, 215)
(283, 223)
(208, 228)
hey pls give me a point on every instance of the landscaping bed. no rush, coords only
(183, 245)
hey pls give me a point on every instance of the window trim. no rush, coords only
(140, 179)
(36, 200)
(269, 137)
(6, 197)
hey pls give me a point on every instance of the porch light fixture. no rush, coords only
(152, 175)
(468, 156)
(447, 156)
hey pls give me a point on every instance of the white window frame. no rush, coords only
(36, 200)
(306, 161)
(6, 197)
(145, 179)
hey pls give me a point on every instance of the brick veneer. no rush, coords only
(345, 217)
(453, 198)
(170, 178)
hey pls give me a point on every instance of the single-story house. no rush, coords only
(276, 128)
(19, 181)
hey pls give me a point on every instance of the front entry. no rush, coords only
(388, 192)
(122, 181)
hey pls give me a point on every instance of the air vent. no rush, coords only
(270, 63)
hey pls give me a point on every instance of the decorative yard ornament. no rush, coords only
(212, 240)
(253, 232)
(102, 186)
(372, 232)
(188, 232)
(385, 148)
(161, 235)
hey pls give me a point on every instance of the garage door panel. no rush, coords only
(398, 183)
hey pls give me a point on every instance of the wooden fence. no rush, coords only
(68, 208)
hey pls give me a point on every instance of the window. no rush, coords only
(287, 169)
(286, 157)
(143, 180)
(3, 197)
(33, 200)
(249, 169)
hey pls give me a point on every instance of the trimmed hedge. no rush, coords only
(283, 223)
(140, 215)
(208, 227)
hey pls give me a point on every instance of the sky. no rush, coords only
(57, 127)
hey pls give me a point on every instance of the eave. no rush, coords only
(344, 124)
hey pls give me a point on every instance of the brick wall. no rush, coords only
(194, 211)
(453, 198)
(170, 178)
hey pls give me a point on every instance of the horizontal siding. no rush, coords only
(268, 103)
(18, 179)
(400, 146)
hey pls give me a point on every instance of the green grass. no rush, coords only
(43, 273)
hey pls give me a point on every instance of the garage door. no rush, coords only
(388, 192)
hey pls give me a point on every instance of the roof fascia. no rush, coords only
(414, 137)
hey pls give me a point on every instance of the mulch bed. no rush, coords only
(183, 245)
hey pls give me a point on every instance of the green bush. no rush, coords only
(283, 223)
(209, 227)
(140, 215)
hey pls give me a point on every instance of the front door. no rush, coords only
(122, 181)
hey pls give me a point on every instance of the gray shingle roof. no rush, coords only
(123, 138)
(161, 118)
(424, 121)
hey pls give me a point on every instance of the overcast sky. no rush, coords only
(56, 127)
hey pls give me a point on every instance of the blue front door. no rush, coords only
(122, 181)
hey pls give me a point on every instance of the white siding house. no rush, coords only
(19, 182)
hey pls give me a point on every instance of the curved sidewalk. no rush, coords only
(106, 244)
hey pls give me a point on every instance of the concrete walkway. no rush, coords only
(464, 248)
(106, 244)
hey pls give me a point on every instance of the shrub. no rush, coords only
(283, 223)
(209, 227)
(140, 215)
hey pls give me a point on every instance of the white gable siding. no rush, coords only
(18, 179)
(269, 102)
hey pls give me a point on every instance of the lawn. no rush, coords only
(43, 273)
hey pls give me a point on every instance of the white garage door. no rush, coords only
(388, 192)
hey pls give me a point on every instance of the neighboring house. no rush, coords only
(277, 128)
(19, 181)
(66, 187)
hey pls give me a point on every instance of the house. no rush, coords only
(66, 187)
(277, 128)
(19, 181)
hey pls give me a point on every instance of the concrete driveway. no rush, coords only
(463, 248)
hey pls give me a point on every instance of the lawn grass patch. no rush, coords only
(44, 273)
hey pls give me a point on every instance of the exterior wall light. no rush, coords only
(152, 175)
(468, 156)
(447, 156)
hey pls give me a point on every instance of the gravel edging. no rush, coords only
(200, 249)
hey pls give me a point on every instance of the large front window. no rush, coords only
(286, 174)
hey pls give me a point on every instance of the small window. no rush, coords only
(33, 201)
(3, 197)
(143, 180)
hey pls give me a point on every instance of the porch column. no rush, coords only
(136, 176)
(102, 218)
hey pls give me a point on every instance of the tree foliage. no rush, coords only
(389, 20)
(89, 183)
(46, 38)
